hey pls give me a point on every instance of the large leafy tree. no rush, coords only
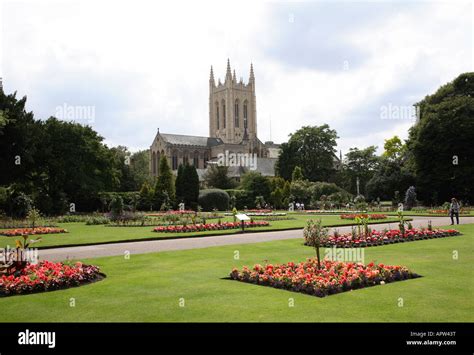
(133, 168)
(122, 162)
(20, 134)
(389, 177)
(256, 185)
(217, 177)
(393, 172)
(55, 162)
(361, 164)
(313, 149)
(394, 148)
(441, 142)
(73, 166)
(140, 168)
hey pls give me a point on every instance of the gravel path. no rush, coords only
(100, 250)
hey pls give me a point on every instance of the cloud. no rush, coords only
(145, 65)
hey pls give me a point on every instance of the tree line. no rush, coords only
(62, 167)
(437, 158)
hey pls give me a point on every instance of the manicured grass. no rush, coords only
(149, 287)
(80, 233)
(424, 214)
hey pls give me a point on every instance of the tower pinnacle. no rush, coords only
(228, 74)
(211, 77)
(252, 76)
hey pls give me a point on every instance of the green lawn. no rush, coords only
(425, 214)
(149, 287)
(80, 233)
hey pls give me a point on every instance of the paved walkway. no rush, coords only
(95, 251)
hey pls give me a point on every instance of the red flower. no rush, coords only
(47, 275)
(333, 276)
(208, 226)
(32, 231)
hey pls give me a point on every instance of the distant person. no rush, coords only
(454, 210)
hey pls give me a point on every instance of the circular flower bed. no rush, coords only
(47, 276)
(375, 238)
(333, 277)
(32, 231)
(208, 227)
(353, 216)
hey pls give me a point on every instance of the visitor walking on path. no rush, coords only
(454, 210)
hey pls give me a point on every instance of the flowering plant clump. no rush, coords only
(443, 212)
(258, 211)
(208, 227)
(332, 277)
(353, 216)
(260, 214)
(171, 212)
(331, 211)
(32, 231)
(46, 276)
(375, 238)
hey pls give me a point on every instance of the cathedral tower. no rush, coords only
(232, 108)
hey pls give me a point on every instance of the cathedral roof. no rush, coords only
(265, 166)
(181, 139)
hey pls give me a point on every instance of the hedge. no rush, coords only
(214, 199)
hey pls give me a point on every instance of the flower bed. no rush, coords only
(47, 276)
(260, 214)
(172, 212)
(20, 223)
(331, 211)
(333, 277)
(32, 231)
(353, 216)
(208, 227)
(385, 237)
(258, 211)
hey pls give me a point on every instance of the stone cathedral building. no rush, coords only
(232, 130)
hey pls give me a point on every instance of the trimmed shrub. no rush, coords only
(214, 199)
(243, 199)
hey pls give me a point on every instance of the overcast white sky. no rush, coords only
(145, 64)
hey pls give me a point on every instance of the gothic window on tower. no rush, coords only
(217, 114)
(236, 113)
(245, 114)
(223, 112)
